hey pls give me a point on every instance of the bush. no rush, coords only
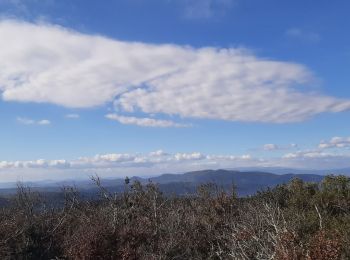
(293, 221)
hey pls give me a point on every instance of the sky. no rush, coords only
(136, 87)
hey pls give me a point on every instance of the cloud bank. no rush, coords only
(50, 64)
(159, 162)
(120, 160)
(335, 142)
(117, 165)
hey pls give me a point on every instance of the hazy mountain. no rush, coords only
(247, 182)
(281, 170)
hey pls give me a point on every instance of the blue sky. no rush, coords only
(145, 87)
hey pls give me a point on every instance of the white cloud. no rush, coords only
(44, 122)
(25, 121)
(275, 147)
(118, 165)
(230, 157)
(158, 153)
(72, 116)
(17, 5)
(114, 158)
(158, 162)
(191, 156)
(28, 121)
(270, 147)
(118, 160)
(308, 154)
(40, 163)
(162, 161)
(24, 8)
(315, 159)
(303, 35)
(204, 9)
(147, 122)
(318, 158)
(335, 142)
(50, 64)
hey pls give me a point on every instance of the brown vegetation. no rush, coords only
(294, 221)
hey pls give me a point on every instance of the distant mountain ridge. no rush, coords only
(247, 183)
(282, 170)
(224, 176)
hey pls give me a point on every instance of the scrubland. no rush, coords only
(292, 221)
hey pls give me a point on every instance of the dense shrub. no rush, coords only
(293, 221)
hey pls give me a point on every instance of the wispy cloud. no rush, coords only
(25, 8)
(303, 35)
(147, 122)
(204, 9)
(44, 122)
(25, 121)
(308, 154)
(28, 121)
(51, 64)
(276, 147)
(72, 116)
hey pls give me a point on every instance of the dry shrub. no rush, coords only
(142, 223)
(288, 247)
(325, 245)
